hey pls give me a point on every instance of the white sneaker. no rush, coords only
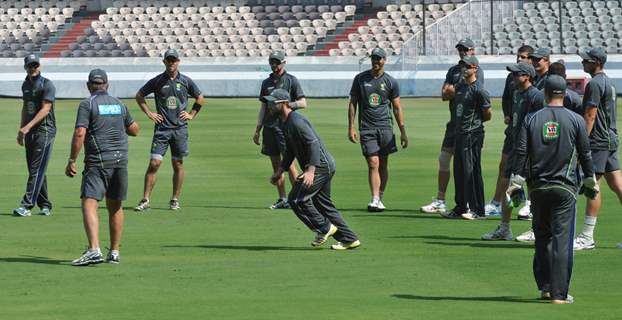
(88, 257)
(492, 209)
(375, 206)
(501, 233)
(619, 245)
(527, 236)
(143, 205)
(345, 246)
(470, 215)
(437, 206)
(525, 212)
(583, 242)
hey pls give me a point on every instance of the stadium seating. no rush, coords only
(26, 25)
(584, 24)
(140, 29)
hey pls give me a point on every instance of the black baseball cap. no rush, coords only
(523, 67)
(171, 53)
(379, 52)
(277, 95)
(277, 55)
(31, 59)
(541, 53)
(471, 60)
(555, 84)
(594, 55)
(98, 76)
(467, 43)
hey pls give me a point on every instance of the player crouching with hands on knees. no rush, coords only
(310, 195)
(551, 142)
(102, 126)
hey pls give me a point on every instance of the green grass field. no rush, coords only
(225, 256)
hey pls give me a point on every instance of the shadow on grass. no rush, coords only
(434, 237)
(244, 247)
(393, 215)
(485, 244)
(514, 299)
(33, 259)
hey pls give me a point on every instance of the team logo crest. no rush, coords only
(375, 99)
(171, 102)
(550, 130)
(30, 107)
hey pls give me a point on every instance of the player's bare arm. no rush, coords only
(486, 114)
(132, 129)
(76, 145)
(45, 110)
(142, 103)
(196, 107)
(399, 118)
(352, 135)
(262, 112)
(299, 104)
(448, 91)
(590, 118)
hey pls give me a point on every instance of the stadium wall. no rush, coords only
(321, 77)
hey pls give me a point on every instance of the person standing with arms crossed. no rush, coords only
(102, 126)
(171, 90)
(551, 142)
(599, 107)
(310, 195)
(472, 110)
(273, 140)
(455, 74)
(36, 134)
(375, 92)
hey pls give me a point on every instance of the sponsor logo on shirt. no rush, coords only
(459, 109)
(178, 86)
(30, 107)
(550, 130)
(375, 99)
(171, 102)
(382, 87)
(367, 84)
(109, 109)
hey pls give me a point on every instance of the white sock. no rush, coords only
(588, 226)
(495, 202)
(284, 199)
(375, 199)
(96, 250)
(114, 252)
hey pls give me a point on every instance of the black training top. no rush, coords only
(33, 94)
(105, 119)
(539, 81)
(304, 144)
(470, 100)
(171, 97)
(550, 143)
(286, 82)
(374, 96)
(508, 95)
(601, 93)
(455, 75)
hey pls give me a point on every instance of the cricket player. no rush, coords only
(171, 90)
(472, 110)
(599, 107)
(526, 99)
(102, 126)
(375, 92)
(551, 142)
(572, 101)
(310, 195)
(465, 47)
(494, 207)
(36, 134)
(273, 141)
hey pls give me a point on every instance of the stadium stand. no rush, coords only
(27, 26)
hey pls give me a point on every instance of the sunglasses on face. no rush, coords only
(33, 66)
(274, 62)
(522, 57)
(536, 60)
(519, 74)
(171, 60)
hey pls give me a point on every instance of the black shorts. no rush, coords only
(449, 140)
(605, 161)
(98, 183)
(176, 138)
(273, 141)
(378, 142)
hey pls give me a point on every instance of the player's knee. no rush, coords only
(154, 165)
(444, 161)
(373, 164)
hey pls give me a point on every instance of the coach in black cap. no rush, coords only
(552, 141)
(102, 126)
(541, 60)
(37, 132)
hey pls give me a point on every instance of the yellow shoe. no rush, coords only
(345, 246)
(320, 238)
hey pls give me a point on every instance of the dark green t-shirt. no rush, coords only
(33, 94)
(601, 93)
(374, 97)
(470, 100)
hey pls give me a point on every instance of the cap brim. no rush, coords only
(513, 68)
(171, 56)
(377, 55)
(586, 56)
